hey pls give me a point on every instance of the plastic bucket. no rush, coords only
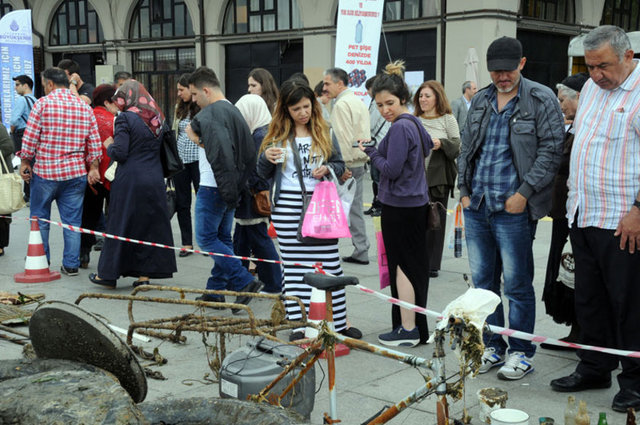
(509, 417)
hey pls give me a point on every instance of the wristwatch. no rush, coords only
(74, 82)
(636, 203)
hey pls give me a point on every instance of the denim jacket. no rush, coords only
(268, 170)
(536, 139)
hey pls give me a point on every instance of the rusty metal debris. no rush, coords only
(201, 320)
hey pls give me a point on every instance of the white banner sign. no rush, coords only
(16, 56)
(357, 42)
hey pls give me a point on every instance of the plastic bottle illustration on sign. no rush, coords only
(359, 32)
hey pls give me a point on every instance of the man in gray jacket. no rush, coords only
(511, 149)
(461, 105)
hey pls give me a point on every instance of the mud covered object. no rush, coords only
(61, 330)
(67, 397)
(248, 370)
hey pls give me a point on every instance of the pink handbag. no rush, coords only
(383, 266)
(325, 217)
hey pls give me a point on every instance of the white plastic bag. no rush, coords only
(346, 192)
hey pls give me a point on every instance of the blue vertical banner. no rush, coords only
(16, 56)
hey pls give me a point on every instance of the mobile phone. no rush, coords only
(368, 144)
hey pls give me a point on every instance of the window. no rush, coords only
(5, 7)
(245, 16)
(161, 19)
(75, 22)
(549, 10)
(159, 71)
(623, 13)
(397, 10)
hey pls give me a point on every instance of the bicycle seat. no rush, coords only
(328, 282)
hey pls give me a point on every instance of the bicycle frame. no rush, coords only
(326, 340)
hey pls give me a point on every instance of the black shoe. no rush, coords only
(433, 273)
(355, 261)
(98, 245)
(185, 253)
(84, 260)
(69, 271)
(93, 277)
(351, 332)
(577, 382)
(296, 336)
(254, 286)
(212, 298)
(625, 399)
(140, 282)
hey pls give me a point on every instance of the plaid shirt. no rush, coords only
(496, 178)
(62, 135)
(187, 150)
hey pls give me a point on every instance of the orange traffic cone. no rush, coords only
(36, 268)
(271, 231)
(317, 313)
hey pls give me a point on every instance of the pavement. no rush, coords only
(365, 383)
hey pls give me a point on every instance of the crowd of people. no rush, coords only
(517, 151)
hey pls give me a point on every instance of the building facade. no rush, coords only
(157, 40)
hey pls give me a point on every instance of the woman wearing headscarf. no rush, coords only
(138, 205)
(250, 236)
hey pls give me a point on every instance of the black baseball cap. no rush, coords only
(504, 54)
(576, 81)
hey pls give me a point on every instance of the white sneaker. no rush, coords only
(516, 366)
(490, 359)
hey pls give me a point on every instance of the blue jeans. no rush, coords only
(254, 240)
(69, 196)
(214, 220)
(502, 242)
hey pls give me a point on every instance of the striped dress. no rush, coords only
(285, 216)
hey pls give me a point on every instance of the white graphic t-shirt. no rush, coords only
(309, 162)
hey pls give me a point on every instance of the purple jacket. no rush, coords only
(400, 159)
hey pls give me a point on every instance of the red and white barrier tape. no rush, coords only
(504, 331)
(159, 245)
(318, 268)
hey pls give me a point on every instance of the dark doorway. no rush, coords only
(87, 62)
(416, 48)
(546, 54)
(281, 58)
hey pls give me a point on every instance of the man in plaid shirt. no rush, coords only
(62, 136)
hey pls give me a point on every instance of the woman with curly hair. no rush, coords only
(261, 82)
(298, 148)
(434, 111)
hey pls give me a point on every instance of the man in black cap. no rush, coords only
(511, 149)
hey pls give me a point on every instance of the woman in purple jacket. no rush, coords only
(403, 192)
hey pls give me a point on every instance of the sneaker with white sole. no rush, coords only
(399, 337)
(490, 359)
(516, 366)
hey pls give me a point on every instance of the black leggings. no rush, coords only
(404, 231)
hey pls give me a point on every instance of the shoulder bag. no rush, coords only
(169, 157)
(434, 208)
(11, 199)
(306, 198)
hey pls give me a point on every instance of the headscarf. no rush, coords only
(133, 97)
(254, 110)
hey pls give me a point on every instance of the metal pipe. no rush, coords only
(203, 37)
